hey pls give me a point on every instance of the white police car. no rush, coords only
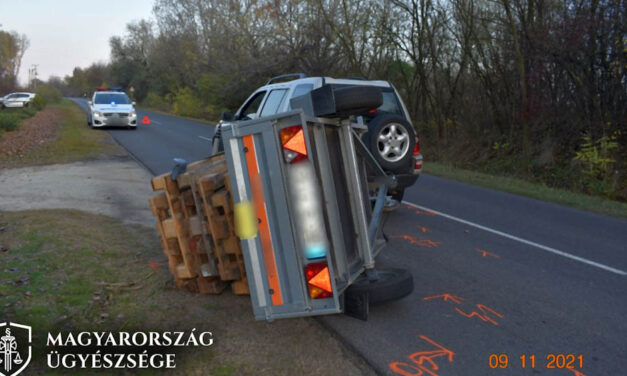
(111, 109)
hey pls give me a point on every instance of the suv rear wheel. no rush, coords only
(391, 140)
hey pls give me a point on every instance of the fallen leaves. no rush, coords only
(33, 133)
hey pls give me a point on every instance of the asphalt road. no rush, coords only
(494, 273)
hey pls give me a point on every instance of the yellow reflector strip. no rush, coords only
(245, 220)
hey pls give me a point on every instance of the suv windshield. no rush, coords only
(112, 98)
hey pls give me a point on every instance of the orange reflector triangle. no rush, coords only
(146, 120)
(322, 280)
(297, 143)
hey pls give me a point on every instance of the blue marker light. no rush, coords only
(113, 103)
(315, 251)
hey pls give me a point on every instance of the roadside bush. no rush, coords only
(8, 122)
(186, 103)
(50, 94)
(25, 112)
(153, 100)
(38, 102)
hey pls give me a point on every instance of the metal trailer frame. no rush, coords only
(273, 256)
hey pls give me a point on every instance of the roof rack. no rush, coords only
(354, 78)
(289, 75)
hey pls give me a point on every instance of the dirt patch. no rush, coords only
(33, 133)
(115, 186)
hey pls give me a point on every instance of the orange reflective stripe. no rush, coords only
(259, 200)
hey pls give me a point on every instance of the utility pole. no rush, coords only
(32, 75)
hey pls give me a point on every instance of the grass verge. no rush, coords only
(74, 141)
(61, 269)
(529, 189)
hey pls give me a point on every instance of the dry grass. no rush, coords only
(56, 260)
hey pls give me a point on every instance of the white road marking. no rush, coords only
(521, 240)
(205, 138)
(154, 122)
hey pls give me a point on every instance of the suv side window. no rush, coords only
(249, 110)
(274, 102)
(301, 90)
(390, 103)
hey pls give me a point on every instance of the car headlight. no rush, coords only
(132, 114)
(97, 113)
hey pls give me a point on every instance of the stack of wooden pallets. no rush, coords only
(195, 221)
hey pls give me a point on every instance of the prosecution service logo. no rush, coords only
(96, 350)
(15, 348)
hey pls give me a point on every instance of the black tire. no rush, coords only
(393, 284)
(88, 121)
(391, 162)
(356, 99)
(133, 128)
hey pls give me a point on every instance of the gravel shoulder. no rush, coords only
(116, 186)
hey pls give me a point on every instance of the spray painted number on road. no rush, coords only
(423, 362)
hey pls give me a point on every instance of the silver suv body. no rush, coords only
(111, 109)
(390, 137)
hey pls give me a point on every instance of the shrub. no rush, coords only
(50, 94)
(9, 122)
(186, 103)
(25, 112)
(153, 100)
(38, 102)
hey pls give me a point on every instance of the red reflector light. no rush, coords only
(417, 146)
(319, 280)
(418, 165)
(373, 111)
(293, 142)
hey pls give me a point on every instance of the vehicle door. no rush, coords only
(11, 101)
(274, 102)
(250, 109)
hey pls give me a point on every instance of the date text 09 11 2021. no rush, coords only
(569, 361)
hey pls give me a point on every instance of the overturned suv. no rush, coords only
(391, 137)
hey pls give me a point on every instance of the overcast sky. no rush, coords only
(68, 33)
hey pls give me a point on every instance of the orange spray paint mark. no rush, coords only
(419, 242)
(485, 253)
(446, 297)
(423, 362)
(418, 211)
(423, 229)
(154, 265)
(484, 316)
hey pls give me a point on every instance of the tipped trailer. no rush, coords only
(309, 221)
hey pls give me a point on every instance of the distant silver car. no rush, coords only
(16, 100)
(111, 109)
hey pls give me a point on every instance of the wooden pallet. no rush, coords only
(195, 222)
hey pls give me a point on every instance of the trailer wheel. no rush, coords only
(393, 284)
